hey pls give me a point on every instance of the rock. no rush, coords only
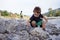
(55, 31)
(13, 36)
(2, 37)
(39, 32)
(52, 29)
(2, 26)
(51, 26)
(23, 35)
(33, 38)
(12, 29)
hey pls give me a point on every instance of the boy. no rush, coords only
(37, 18)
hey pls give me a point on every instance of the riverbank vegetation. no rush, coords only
(51, 12)
(7, 14)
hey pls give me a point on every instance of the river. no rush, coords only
(55, 21)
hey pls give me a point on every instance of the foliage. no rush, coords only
(58, 13)
(6, 13)
(51, 12)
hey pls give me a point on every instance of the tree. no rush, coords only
(5, 13)
(50, 12)
(57, 13)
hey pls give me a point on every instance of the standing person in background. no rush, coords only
(21, 16)
(37, 19)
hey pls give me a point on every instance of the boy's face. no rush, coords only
(36, 14)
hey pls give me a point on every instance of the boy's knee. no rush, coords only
(33, 22)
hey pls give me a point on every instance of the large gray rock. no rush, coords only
(40, 33)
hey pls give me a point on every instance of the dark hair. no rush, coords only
(37, 9)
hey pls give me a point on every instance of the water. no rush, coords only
(55, 21)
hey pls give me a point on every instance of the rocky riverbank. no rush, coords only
(12, 29)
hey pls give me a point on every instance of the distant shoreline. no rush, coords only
(53, 17)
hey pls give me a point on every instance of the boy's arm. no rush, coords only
(29, 21)
(45, 19)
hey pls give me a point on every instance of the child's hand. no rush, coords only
(46, 20)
